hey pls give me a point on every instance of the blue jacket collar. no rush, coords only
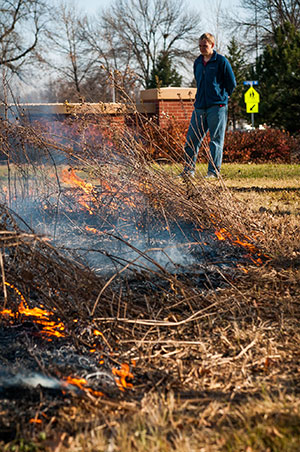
(213, 57)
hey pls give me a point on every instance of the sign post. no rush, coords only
(252, 99)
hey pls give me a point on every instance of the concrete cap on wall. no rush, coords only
(65, 108)
(146, 107)
(171, 93)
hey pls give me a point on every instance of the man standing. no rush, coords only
(215, 83)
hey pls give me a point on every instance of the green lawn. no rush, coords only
(260, 171)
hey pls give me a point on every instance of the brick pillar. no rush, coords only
(168, 103)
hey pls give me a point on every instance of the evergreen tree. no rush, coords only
(278, 72)
(236, 106)
(163, 74)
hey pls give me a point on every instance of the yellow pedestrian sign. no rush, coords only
(251, 97)
(252, 108)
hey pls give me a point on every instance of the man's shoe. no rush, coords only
(186, 174)
(211, 176)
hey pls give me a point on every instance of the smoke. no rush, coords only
(32, 380)
(102, 243)
(111, 220)
(109, 227)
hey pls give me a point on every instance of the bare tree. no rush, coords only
(21, 23)
(263, 17)
(140, 29)
(68, 57)
(114, 60)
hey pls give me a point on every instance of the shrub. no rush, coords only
(259, 146)
(167, 143)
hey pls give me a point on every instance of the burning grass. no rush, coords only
(140, 312)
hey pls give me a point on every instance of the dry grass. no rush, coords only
(271, 188)
(217, 366)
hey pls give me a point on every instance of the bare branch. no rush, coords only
(20, 29)
(147, 28)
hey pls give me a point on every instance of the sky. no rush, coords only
(92, 6)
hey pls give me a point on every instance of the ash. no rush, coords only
(30, 362)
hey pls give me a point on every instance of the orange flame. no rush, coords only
(90, 200)
(70, 177)
(81, 384)
(50, 328)
(35, 421)
(97, 333)
(121, 375)
(93, 230)
(223, 234)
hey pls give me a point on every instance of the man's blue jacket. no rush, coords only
(215, 81)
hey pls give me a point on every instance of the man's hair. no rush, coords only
(208, 36)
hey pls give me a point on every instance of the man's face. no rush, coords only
(206, 47)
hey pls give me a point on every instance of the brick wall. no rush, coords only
(165, 103)
(180, 111)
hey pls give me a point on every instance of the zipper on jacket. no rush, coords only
(204, 79)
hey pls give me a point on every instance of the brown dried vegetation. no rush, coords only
(215, 366)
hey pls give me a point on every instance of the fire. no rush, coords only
(81, 384)
(70, 177)
(93, 230)
(92, 199)
(121, 376)
(223, 234)
(51, 328)
(97, 333)
(42, 317)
